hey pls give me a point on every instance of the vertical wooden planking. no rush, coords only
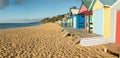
(112, 25)
(91, 18)
(98, 21)
(77, 21)
(106, 21)
(81, 21)
(113, 16)
(85, 17)
(118, 28)
(98, 18)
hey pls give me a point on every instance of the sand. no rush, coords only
(45, 41)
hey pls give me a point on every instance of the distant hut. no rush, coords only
(101, 17)
(74, 17)
(86, 11)
(65, 21)
(115, 23)
(68, 20)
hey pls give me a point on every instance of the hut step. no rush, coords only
(93, 41)
(66, 34)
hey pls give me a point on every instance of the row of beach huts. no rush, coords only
(97, 16)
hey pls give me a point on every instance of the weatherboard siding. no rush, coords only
(113, 12)
(91, 18)
(77, 21)
(106, 22)
(87, 20)
(118, 27)
(112, 25)
(81, 21)
(70, 21)
(98, 21)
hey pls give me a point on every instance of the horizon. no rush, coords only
(28, 10)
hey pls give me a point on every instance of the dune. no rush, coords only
(44, 41)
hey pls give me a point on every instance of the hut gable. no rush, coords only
(83, 8)
(113, 20)
(97, 5)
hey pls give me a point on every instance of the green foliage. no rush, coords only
(53, 19)
(74, 7)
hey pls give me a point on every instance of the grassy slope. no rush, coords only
(53, 19)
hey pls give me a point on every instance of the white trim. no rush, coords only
(103, 21)
(112, 26)
(107, 5)
(100, 2)
(115, 26)
(74, 20)
(93, 20)
(109, 23)
(91, 5)
(118, 1)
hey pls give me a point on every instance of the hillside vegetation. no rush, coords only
(53, 19)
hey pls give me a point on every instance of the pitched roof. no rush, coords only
(108, 2)
(87, 3)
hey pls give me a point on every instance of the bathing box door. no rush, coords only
(74, 20)
(118, 27)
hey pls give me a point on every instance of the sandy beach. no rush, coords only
(44, 41)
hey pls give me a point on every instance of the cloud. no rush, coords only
(20, 1)
(4, 3)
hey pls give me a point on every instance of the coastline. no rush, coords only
(44, 41)
(16, 25)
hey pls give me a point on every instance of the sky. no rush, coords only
(22, 11)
